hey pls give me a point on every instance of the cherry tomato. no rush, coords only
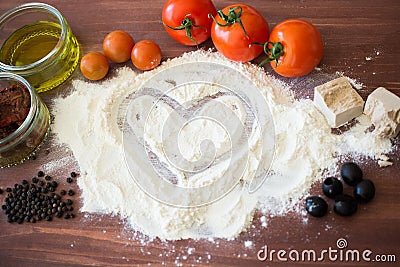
(187, 21)
(300, 49)
(146, 55)
(94, 66)
(235, 29)
(117, 46)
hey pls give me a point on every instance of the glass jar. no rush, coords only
(37, 43)
(23, 142)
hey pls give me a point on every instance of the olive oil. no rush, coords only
(39, 46)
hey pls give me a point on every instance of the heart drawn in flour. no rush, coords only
(191, 139)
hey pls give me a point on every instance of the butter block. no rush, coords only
(383, 108)
(338, 101)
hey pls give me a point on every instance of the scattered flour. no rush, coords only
(263, 221)
(305, 149)
(248, 244)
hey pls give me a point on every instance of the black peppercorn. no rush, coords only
(1, 191)
(73, 174)
(69, 180)
(31, 203)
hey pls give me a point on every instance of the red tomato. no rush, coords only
(94, 66)
(187, 21)
(302, 47)
(117, 46)
(146, 55)
(234, 30)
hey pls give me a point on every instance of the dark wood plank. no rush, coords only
(353, 32)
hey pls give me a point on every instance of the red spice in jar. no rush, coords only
(15, 102)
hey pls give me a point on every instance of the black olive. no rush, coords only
(364, 191)
(351, 173)
(316, 206)
(345, 205)
(332, 187)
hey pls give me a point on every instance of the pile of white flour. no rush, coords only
(88, 122)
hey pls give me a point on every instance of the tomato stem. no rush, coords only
(186, 25)
(273, 51)
(231, 18)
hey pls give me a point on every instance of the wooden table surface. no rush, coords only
(362, 41)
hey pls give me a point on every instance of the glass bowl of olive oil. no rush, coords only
(37, 43)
